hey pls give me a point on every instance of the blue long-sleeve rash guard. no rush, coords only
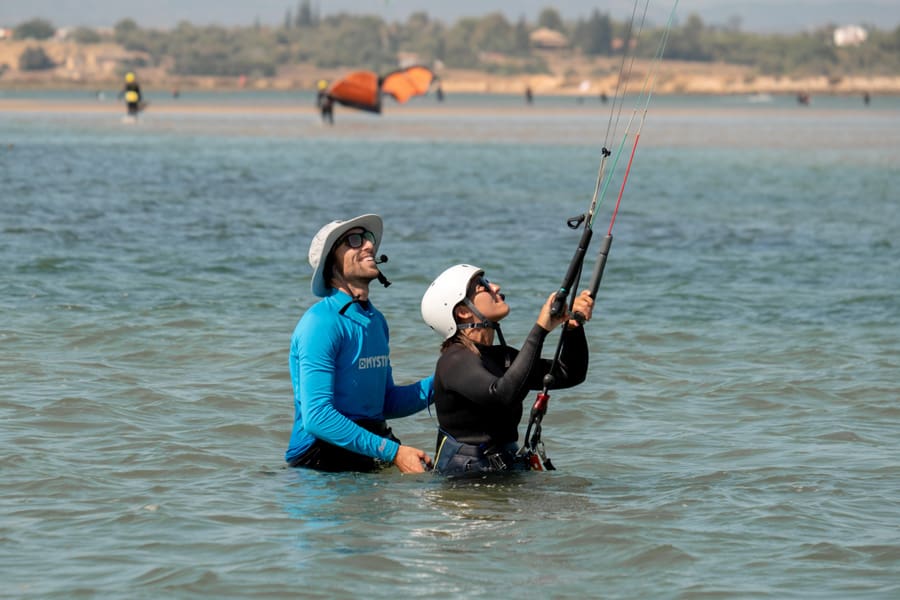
(341, 373)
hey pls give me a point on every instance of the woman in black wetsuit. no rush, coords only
(479, 387)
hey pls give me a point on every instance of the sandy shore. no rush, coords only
(90, 68)
(673, 78)
(542, 107)
(832, 123)
(171, 108)
(669, 77)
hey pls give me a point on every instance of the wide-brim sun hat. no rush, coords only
(323, 242)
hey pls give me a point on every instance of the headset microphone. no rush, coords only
(381, 278)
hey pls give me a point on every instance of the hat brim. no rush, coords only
(370, 222)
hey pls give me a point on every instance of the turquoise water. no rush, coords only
(736, 437)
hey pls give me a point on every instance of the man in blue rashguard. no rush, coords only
(340, 363)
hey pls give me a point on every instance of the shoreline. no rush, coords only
(549, 107)
(721, 123)
(670, 85)
(568, 74)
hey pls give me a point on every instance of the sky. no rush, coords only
(766, 16)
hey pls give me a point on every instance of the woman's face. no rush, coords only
(488, 300)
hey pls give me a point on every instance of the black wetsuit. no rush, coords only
(132, 102)
(326, 106)
(479, 400)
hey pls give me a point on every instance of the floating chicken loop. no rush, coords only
(363, 89)
(533, 446)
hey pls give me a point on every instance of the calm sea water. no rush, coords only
(736, 438)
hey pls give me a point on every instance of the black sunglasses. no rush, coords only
(355, 240)
(481, 284)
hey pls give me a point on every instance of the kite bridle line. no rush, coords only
(574, 272)
(533, 446)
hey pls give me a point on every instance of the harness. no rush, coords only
(455, 458)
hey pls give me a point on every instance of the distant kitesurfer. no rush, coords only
(479, 387)
(866, 98)
(132, 94)
(340, 362)
(325, 102)
(529, 96)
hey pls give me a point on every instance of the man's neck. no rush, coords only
(355, 289)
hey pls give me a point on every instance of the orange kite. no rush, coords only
(363, 89)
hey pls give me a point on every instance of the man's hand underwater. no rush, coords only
(412, 460)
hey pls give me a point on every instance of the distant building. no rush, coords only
(407, 59)
(5, 34)
(849, 35)
(548, 39)
(618, 44)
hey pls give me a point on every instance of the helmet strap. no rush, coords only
(484, 324)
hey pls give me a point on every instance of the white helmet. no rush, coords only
(321, 245)
(442, 296)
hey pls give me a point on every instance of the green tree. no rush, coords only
(85, 35)
(125, 29)
(221, 52)
(35, 59)
(686, 42)
(304, 15)
(36, 29)
(523, 42)
(812, 54)
(348, 40)
(421, 36)
(594, 36)
(156, 43)
(550, 19)
(493, 33)
(459, 51)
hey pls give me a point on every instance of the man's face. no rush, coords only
(356, 263)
